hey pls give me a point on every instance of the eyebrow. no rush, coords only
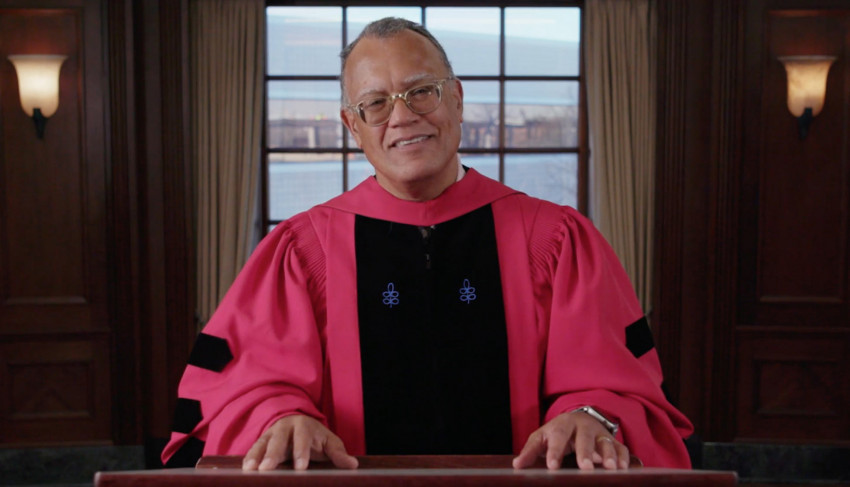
(408, 82)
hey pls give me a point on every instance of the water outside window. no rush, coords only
(540, 114)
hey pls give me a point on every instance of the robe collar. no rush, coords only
(471, 192)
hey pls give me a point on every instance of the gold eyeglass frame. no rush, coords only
(390, 99)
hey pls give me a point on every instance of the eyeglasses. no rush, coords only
(420, 99)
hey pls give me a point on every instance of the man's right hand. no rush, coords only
(300, 438)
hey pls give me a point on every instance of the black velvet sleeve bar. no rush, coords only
(211, 353)
(188, 454)
(187, 415)
(639, 337)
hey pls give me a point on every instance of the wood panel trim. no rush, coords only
(124, 229)
(815, 300)
(45, 300)
(177, 187)
(177, 180)
(151, 218)
(791, 384)
(666, 314)
(703, 284)
(167, 309)
(727, 141)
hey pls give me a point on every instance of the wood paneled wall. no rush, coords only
(96, 286)
(54, 311)
(793, 323)
(96, 260)
(752, 306)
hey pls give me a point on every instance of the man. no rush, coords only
(430, 310)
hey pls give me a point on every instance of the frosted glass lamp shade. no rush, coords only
(38, 81)
(806, 82)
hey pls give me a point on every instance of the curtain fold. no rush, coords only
(620, 65)
(226, 48)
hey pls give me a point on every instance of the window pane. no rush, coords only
(541, 114)
(304, 114)
(480, 115)
(470, 37)
(358, 169)
(304, 40)
(552, 177)
(542, 41)
(300, 181)
(358, 17)
(486, 164)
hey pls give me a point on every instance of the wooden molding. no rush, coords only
(124, 227)
(672, 107)
(726, 141)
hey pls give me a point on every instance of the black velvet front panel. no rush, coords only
(432, 337)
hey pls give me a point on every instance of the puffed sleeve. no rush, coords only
(600, 349)
(260, 357)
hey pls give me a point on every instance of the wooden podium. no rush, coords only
(413, 471)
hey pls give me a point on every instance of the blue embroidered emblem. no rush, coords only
(390, 295)
(467, 292)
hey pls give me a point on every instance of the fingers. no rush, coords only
(301, 438)
(277, 449)
(255, 454)
(623, 456)
(605, 449)
(591, 442)
(551, 441)
(585, 441)
(533, 448)
(313, 441)
(614, 454)
(601, 450)
(557, 440)
(302, 442)
(335, 451)
(269, 450)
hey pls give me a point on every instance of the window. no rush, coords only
(519, 62)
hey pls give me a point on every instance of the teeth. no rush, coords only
(411, 141)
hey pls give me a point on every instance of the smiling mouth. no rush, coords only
(402, 143)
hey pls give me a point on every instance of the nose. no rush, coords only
(401, 115)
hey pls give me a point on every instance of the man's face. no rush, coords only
(414, 156)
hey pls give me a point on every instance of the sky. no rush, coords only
(562, 24)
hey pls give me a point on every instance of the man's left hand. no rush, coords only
(574, 432)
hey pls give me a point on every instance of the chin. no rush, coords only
(420, 174)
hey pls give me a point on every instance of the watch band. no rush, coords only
(593, 413)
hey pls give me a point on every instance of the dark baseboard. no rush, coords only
(765, 464)
(66, 465)
(780, 464)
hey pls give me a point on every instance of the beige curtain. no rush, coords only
(620, 64)
(226, 49)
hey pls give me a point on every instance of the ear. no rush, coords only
(350, 121)
(459, 96)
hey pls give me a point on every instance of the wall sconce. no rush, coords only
(38, 85)
(806, 87)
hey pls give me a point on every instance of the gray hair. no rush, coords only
(385, 28)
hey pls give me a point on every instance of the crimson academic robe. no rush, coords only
(285, 338)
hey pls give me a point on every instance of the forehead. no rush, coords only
(383, 64)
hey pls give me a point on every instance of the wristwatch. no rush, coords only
(593, 413)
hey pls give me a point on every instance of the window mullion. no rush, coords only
(544, 119)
